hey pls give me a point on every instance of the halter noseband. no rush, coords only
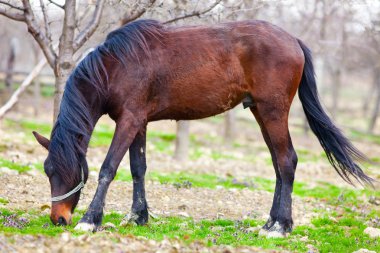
(79, 186)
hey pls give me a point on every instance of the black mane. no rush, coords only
(75, 121)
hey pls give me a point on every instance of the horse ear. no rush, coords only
(42, 140)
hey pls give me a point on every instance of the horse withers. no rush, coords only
(145, 71)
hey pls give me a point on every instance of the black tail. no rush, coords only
(339, 150)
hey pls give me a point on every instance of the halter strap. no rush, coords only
(77, 188)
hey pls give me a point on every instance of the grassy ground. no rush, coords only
(338, 227)
(328, 233)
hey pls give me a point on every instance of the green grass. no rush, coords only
(197, 180)
(162, 142)
(37, 224)
(14, 166)
(341, 235)
(357, 135)
(3, 201)
(47, 90)
(21, 168)
(344, 234)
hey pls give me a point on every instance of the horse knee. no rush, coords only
(106, 175)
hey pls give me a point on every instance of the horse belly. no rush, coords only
(203, 94)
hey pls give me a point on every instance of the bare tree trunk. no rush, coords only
(37, 96)
(65, 62)
(376, 109)
(182, 140)
(368, 98)
(37, 83)
(60, 82)
(10, 66)
(229, 127)
(336, 77)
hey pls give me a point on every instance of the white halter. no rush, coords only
(79, 186)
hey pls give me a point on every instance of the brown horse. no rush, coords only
(145, 72)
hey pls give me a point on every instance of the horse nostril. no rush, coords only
(62, 221)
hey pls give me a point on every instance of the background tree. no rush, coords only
(59, 54)
(373, 33)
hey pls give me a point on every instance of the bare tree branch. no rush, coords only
(38, 35)
(194, 13)
(28, 80)
(56, 4)
(89, 30)
(137, 13)
(14, 16)
(11, 5)
(86, 12)
(46, 21)
(309, 19)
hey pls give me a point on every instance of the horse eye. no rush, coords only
(48, 169)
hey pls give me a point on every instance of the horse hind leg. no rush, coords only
(272, 117)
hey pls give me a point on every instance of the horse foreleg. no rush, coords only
(126, 128)
(139, 212)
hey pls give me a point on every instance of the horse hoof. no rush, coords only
(263, 232)
(85, 227)
(275, 234)
(276, 231)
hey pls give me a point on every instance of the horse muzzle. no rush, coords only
(61, 214)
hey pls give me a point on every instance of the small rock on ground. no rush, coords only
(364, 251)
(372, 232)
